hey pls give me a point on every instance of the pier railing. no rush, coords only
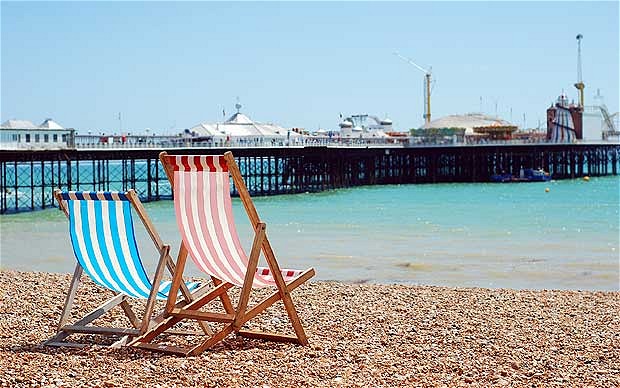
(125, 142)
(27, 179)
(168, 142)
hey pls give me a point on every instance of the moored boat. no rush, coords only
(525, 175)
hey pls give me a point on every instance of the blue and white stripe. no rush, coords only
(102, 235)
(94, 195)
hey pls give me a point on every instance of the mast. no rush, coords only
(579, 85)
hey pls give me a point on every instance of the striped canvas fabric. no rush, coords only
(94, 196)
(102, 235)
(207, 163)
(204, 215)
(563, 130)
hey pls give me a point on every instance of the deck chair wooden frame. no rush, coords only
(84, 325)
(235, 316)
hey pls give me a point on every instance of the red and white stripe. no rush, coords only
(204, 216)
(207, 163)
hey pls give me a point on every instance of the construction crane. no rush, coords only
(427, 87)
(579, 85)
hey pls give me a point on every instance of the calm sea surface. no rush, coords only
(483, 235)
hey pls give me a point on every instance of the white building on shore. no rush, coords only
(24, 135)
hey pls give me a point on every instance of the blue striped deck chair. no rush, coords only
(103, 240)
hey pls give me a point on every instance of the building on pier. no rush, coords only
(496, 131)
(240, 130)
(599, 122)
(24, 135)
(365, 126)
(474, 127)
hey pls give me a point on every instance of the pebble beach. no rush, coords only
(362, 335)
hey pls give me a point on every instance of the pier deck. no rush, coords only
(28, 178)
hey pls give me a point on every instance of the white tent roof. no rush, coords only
(25, 124)
(18, 124)
(239, 118)
(50, 124)
(240, 125)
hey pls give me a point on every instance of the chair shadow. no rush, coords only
(130, 353)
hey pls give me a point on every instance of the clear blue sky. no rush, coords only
(173, 65)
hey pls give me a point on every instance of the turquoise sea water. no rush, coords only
(483, 235)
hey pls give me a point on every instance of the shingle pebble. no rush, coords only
(360, 335)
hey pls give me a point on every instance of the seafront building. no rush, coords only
(24, 135)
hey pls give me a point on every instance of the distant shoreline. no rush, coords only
(362, 335)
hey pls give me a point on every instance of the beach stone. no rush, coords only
(429, 336)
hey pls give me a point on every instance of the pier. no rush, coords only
(28, 178)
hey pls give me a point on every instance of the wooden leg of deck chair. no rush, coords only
(150, 304)
(171, 321)
(82, 323)
(187, 295)
(130, 314)
(263, 305)
(198, 293)
(264, 335)
(102, 309)
(177, 278)
(66, 310)
(284, 293)
(249, 275)
(172, 269)
(226, 302)
(178, 283)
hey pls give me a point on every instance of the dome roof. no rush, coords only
(467, 121)
(346, 124)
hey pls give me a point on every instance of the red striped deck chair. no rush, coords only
(104, 244)
(201, 186)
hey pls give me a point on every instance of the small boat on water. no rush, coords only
(525, 175)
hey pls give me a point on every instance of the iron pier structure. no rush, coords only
(28, 178)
